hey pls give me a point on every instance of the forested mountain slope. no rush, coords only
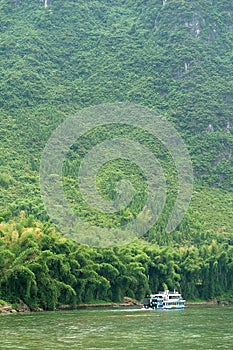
(173, 56)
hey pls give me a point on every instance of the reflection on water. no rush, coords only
(201, 328)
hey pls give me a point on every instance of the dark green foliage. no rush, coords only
(44, 269)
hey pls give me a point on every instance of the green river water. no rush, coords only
(198, 327)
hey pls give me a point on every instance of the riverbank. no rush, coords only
(22, 307)
(127, 302)
(193, 303)
(8, 309)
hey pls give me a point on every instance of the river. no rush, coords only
(199, 327)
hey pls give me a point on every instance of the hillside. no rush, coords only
(58, 57)
(173, 56)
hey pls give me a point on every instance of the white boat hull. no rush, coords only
(165, 301)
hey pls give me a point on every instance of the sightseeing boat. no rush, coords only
(165, 300)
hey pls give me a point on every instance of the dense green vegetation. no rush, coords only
(46, 270)
(173, 56)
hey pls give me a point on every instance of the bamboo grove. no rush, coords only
(43, 269)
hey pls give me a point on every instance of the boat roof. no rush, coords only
(166, 292)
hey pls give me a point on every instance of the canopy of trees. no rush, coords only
(43, 269)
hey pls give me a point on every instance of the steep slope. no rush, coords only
(174, 56)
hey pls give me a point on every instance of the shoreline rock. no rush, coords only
(22, 307)
(7, 309)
